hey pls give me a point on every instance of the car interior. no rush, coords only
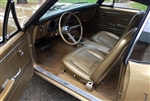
(89, 50)
(84, 46)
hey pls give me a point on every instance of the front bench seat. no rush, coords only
(88, 64)
(110, 39)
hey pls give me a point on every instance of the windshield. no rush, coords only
(77, 1)
(26, 8)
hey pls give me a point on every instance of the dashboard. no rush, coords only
(48, 24)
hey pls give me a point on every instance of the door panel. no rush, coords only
(112, 19)
(21, 54)
(15, 67)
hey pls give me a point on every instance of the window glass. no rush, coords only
(25, 9)
(126, 4)
(11, 27)
(78, 1)
(2, 11)
(107, 2)
(141, 50)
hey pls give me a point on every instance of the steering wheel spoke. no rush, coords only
(75, 26)
(71, 37)
(66, 21)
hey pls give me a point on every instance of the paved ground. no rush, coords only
(41, 90)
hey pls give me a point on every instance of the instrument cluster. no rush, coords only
(49, 28)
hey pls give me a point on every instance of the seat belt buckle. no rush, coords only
(89, 86)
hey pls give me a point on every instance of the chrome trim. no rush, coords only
(21, 52)
(17, 74)
(146, 97)
(3, 86)
(66, 84)
(23, 40)
(137, 37)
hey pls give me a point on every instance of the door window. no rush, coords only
(8, 24)
(11, 27)
(2, 11)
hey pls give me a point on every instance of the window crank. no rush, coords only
(21, 52)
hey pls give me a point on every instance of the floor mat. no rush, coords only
(53, 63)
(50, 58)
(109, 88)
(56, 68)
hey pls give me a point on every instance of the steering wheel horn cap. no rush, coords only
(66, 29)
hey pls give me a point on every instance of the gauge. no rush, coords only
(51, 26)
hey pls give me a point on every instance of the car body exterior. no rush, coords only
(30, 43)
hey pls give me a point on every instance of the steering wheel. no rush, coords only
(68, 30)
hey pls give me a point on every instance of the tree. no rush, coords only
(22, 1)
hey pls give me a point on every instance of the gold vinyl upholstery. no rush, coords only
(110, 39)
(106, 38)
(113, 57)
(83, 61)
(97, 46)
(90, 64)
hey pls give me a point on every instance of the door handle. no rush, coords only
(21, 52)
(15, 76)
(112, 24)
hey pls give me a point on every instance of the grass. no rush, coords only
(138, 6)
(73, 1)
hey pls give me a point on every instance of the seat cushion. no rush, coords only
(96, 46)
(83, 61)
(105, 38)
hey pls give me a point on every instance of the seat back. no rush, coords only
(112, 58)
(134, 22)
